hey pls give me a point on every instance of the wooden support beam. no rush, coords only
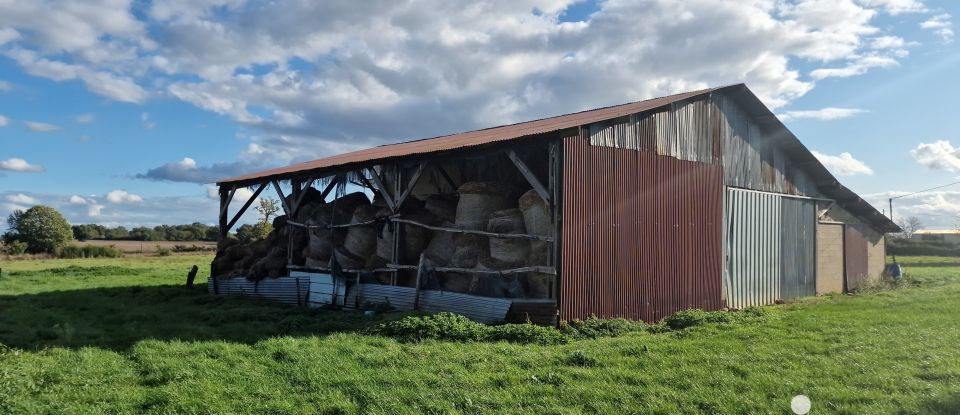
(303, 192)
(375, 178)
(225, 204)
(412, 184)
(330, 186)
(446, 177)
(245, 206)
(283, 199)
(225, 197)
(420, 271)
(528, 174)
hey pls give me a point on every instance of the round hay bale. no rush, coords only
(361, 241)
(468, 249)
(317, 263)
(347, 259)
(443, 207)
(538, 285)
(441, 247)
(457, 282)
(342, 208)
(511, 251)
(478, 200)
(385, 236)
(536, 213)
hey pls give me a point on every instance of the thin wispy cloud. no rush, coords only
(41, 127)
(825, 114)
(84, 119)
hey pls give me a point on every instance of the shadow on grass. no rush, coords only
(116, 318)
(948, 405)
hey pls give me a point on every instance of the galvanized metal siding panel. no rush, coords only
(798, 248)
(752, 159)
(641, 233)
(855, 257)
(290, 290)
(684, 131)
(753, 248)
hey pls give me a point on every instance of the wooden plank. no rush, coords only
(283, 199)
(245, 206)
(378, 184)
(420, 271)
(412, 184)
(528, 174)
(446, 177)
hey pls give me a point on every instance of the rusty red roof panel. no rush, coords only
(471, 138)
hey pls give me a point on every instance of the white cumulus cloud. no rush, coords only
(843, 164)
(21, 199)
(4, 121)
(77, 200)
(938, 155)
(84, 118)
(941, 25)
(122, 196)
(20, 165)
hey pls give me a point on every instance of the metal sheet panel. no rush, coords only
(641, 233)
(798, 264)
(753, 248)
(855, 257)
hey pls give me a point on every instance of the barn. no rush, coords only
(697, 200)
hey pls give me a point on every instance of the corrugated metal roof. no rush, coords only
(827, 183)
(469, 139)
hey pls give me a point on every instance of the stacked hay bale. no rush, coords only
(481, 205)
(536, 220)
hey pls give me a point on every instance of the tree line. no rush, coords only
(192, 232)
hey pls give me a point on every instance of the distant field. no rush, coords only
(123, 335)
(146, 247)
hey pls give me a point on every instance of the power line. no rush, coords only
(890, 200)
(925, 190)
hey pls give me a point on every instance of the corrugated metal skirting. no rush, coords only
(289, 290)
(771, 248)
(642, 233)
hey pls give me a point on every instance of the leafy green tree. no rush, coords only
(268, 207)
(42, 228)
(247, 233)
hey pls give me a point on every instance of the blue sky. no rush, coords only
(121, 112)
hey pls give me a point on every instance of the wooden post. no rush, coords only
(224, 207)
(420, 271)
(413, 182)
(192, 275)
(555, 170)
(397, 228)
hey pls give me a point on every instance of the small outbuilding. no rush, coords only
(696, 200)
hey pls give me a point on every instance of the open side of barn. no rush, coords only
(697, 200)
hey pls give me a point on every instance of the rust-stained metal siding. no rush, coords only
(855, 257)
(642, 234)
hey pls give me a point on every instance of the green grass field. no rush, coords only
(123, 336)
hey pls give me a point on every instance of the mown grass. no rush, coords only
(121, 336)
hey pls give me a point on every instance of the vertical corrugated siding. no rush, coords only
(798, 256)
(771, 248)
(641, 233)
(751, 157)
(753, 248)
(855, 257)
(683, 131)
